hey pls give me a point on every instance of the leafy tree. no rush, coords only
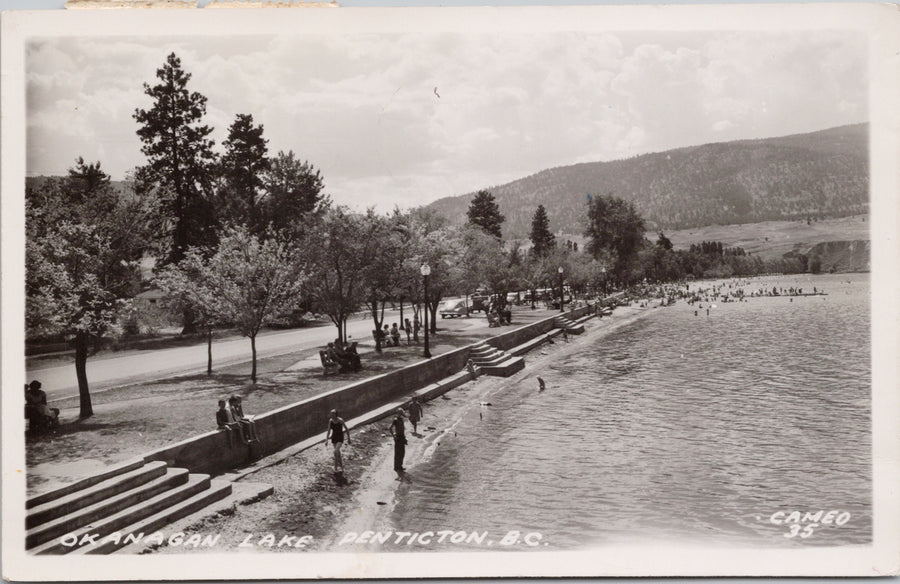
(187, 287)
(336, 255)
(293, 192)
(429, 240)
(542, 240)
(380, 275)
(439, 248)
(81, 258)
(488, 263)
(614, 226)
(485, 213)
(179, 157)
(250, 279)
(242, 168)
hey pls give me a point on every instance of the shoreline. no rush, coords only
(379, 488)
(310, 501)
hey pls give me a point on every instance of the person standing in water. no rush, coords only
(399, 434)
(415, 412)
(336, 429)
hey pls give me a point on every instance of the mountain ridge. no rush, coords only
(816, 174)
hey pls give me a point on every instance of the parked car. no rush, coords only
(454, 308)
(479, 303)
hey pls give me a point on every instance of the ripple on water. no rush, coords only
(674, 426)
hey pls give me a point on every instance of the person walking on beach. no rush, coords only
(399, 434)
(336, 429)
(415, 412)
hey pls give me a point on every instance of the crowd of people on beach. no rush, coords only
(730, 291)
(230, 417)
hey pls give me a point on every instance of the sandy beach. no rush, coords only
(311, 502)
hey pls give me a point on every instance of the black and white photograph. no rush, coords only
(450, 292)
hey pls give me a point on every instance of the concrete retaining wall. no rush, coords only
(516, 337)
(278, 429)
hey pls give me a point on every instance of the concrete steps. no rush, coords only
(126, 500)
(85, 516)
(216, 490)
(566, 323)
(492, 361)
(83, 483)
(98, 492)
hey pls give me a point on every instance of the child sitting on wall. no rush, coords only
(225, 420)
(248, 425)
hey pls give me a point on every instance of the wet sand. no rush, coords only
(310, 501)
(379, 489)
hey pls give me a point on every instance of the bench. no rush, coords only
(329, 366)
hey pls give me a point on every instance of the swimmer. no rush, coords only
(541, 385)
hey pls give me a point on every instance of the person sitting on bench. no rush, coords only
(346, 356)
(395, 335)
(329, 365)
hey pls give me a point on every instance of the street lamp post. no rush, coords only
(426, 270)
(562, 292)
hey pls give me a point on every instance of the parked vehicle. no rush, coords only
(479, 303)
(454, 308)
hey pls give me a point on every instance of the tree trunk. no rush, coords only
(253, 351)
(432, 311)
(86, 410)
(189, 322)
(377, 323)
(209, 350)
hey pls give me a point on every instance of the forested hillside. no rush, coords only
(821, 174)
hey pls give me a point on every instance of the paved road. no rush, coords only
(60, 381)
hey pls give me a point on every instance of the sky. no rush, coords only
(405, 119)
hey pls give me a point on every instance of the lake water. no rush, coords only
(677, 428)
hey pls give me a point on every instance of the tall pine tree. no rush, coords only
(243, 166)
(179, 157)
(485, 213)
(541, 239)
(293, 192)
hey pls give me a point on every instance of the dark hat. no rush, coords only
(35, 384)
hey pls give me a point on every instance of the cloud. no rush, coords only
(412, 117)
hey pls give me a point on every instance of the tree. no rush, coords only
(293, 192)
(380, 275)
(335, 257)
(487, 262)
(242, 168)
(179, 158)
(86, 179)
(485, 213)
(81, 258)
(428, 240)
(542, 240)
(437, 246)
(614, 226)
(251, 279)
(187, 287)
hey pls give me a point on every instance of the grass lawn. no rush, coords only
(131, 420)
